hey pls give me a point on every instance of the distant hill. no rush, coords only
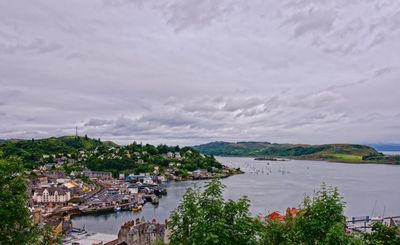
(329, 152)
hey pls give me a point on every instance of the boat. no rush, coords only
(117, 208)
(137, 208)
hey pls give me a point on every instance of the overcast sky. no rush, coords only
(193, 71)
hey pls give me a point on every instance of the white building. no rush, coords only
(54, 195)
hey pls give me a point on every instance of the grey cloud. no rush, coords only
(38, 46)
(237, 104)
(187, 72)
(97, 123)
(120, 3)
(313, 22)
(183, 14)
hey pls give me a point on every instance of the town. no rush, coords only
(61, 185)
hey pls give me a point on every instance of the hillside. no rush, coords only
(75, 153)
(33, 150)
(330, 152)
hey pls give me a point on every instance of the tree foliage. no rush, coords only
(15, 224)
(320, 220)
(383, 235)
(206, 218)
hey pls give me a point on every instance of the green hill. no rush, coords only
(329, 152)
(74, 153)
(33, 150)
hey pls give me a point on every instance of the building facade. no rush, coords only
(51, 195)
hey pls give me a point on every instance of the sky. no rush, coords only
(193, 71)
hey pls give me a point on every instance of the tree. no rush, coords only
(15, 224)
(16, 227)
(320, 216)
(320, 220)
(382, 234)
(206, 218)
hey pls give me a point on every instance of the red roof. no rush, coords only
(276, 216)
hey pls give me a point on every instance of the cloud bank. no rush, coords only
(192, 71)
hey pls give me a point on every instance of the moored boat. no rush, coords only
(137, 208)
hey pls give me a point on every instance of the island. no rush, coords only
(346, 153)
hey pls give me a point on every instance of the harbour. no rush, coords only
(274, 186)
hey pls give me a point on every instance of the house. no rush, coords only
(148, 180)
(51, 195)
(97, 174)
(47, 166)
(54, 174)
(133, 177)
(276, 216)
(156, 170)
(133, 189)
(200, 174)
(142, 233)
(43, 179)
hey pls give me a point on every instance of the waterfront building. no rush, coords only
(200, 174)
(142, 233)
(51, 195)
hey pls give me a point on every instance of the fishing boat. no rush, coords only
(117, 208)
(137, 208)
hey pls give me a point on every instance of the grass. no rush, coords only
(346, 157)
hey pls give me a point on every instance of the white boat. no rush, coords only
(117, 208)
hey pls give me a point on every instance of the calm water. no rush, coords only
(369, 189)
(391, 152)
